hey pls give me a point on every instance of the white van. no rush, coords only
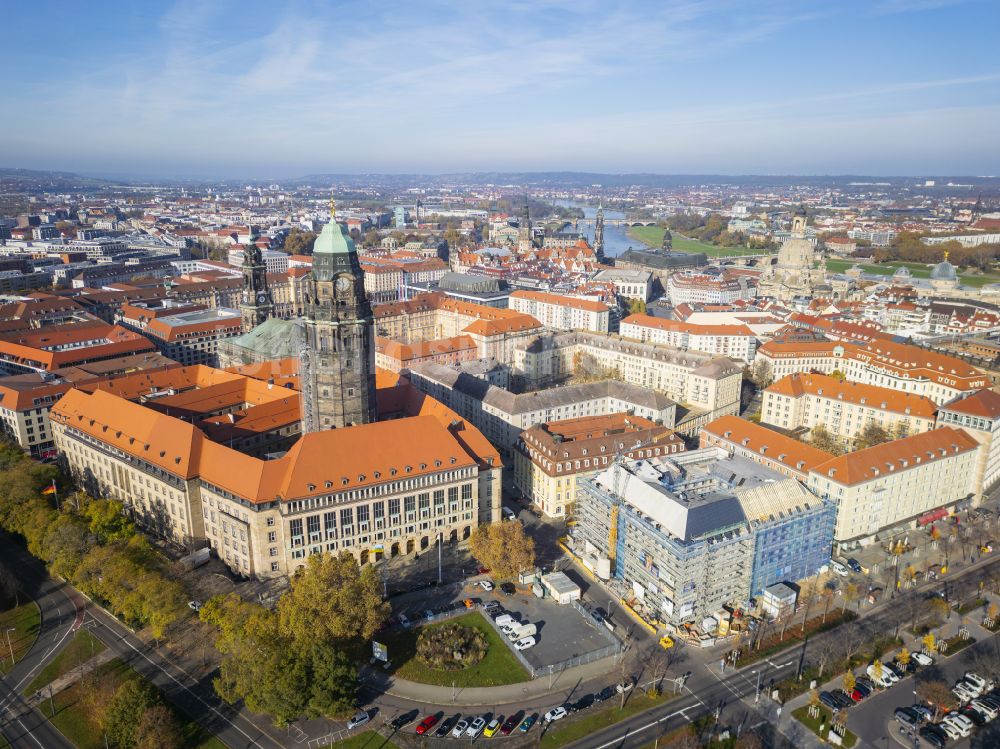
(839, 569)
(504, 619)
(508, 514)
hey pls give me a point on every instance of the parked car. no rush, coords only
(556, 713)
(428, 723)
(503, 620)
(605, 694)
(194, 605)
(527, 723)
(854, 564)
(977, 718)
(459, 729)
(404, 621)
(624, 686)
(923, 711)
(842, 697)
(358, 719)
(865, 687)
(486, 585)
(922, 658)
(508, 589)
(960, 723)
(987, 710)
(527, 642)
(482, 570)
(984, 685)
(839, 569)
(511, 723)
(885, 679)
(404, 720)
(934, 736)
(446, 727)
(583, 703)
(907, 717)
(476, 727)
(493, 726)
(894, 669)
(950, 730)
(829, 700)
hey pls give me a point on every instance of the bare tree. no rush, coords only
(824, 650)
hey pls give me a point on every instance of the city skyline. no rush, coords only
(896, 87)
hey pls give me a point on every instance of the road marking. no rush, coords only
(181, 685)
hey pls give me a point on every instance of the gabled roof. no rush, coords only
(985, 403)
(870, 463)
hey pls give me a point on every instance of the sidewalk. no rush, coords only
(537, 689)
(69, 679)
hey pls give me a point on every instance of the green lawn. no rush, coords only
(497, 668)
(366, 740)
(918, 270)
(570, 729)
(81, 648)
(653, 237)
(25, 621)
(75, 721)
(801, 714)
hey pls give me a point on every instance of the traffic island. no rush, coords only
(820, 721)
(497, 667)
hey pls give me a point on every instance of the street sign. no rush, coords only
(380, 651)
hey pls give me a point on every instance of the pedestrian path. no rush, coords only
(543, 688)
(70, 678)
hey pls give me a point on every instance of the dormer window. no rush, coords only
(311, 487)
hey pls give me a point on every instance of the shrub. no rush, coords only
(451, 647)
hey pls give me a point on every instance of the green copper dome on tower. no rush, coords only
(334, 239)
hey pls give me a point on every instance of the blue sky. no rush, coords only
(271, 89)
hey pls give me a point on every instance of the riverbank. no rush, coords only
(652, 236)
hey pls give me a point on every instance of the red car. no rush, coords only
(483, 570)
(428, 723)
(511, 723)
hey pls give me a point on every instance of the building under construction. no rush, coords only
(684, 535)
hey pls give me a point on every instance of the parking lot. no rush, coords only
(872, 719)
(563, 632)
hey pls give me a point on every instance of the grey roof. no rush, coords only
(661, 261)
(705, 365)
(467, 282)
(511, 403)
(273, 339)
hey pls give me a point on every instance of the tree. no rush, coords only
(878, 670)
(850, 594)
(107, 520)
(158, 729)
(903, 657)
(636, 306)
(371, 238)
(822, 439)
(762, 374)
(872, 434)
(936, 692)
(849, 681)
(503, 547)
(125, 712)
(929, 642)
(332, 598)
(299, 242)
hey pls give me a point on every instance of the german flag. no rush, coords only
(50, 489)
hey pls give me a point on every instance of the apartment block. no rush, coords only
(562, 312)
(734, 341)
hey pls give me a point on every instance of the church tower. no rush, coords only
(256, 304)
(339, 332)
(599, 233)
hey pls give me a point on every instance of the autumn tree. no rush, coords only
(849, 681)
(125, 712)
(332, 598)
(107, 520)
(936, 692)
(636, 306)
(299, 242)
(158, 728)
(823, 439)
(872, 434)
(503, 547)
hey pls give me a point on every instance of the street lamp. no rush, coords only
(9, 645)
(756, 694)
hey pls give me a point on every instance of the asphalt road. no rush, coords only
(62, 612)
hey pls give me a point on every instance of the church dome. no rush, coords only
(944, 271)
(902, 272)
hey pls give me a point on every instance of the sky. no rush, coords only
(270, 89)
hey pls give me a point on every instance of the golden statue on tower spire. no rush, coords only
(333, 209)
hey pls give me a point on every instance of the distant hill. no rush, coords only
(33, 180)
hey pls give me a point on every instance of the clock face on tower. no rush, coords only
(261, 298)
(343, 284)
